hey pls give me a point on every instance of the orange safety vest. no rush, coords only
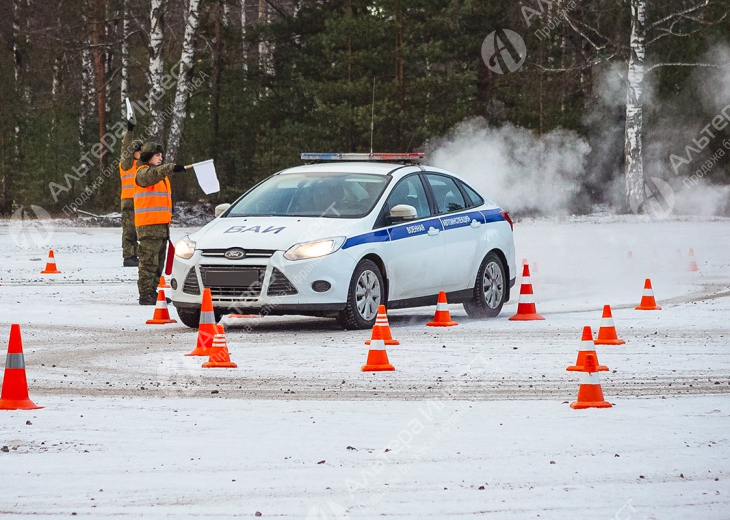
(127, 177)
(153, 205)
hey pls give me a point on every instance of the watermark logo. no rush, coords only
(328, 511)
(180, 376)
(504, 51)
(31, 227)
(658, 201)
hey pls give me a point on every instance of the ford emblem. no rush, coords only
(235, 254)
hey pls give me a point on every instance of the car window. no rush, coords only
(409, 191)
(447, 194)
(476, 199)
(344, 195)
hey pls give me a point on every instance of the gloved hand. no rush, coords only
(130, 126)
(178, 168)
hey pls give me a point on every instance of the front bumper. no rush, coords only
(281, 286)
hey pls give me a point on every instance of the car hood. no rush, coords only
(275, 233)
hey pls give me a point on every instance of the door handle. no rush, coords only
(432, 231)
(475, 223)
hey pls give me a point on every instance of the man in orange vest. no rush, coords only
(127, 169)
(152, 216)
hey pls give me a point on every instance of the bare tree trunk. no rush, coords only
(108, 63)
(156, 65)
(99, 72)
(216, 77)
(17, 68)
(265, 46)
(399, 70)
(634, 114)
(125, 56)
(86, 104)
(183, 80)
(244, 43)
(26, 85)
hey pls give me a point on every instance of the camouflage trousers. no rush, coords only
(129, 232)
(152, 254)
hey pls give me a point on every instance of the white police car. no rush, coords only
(343, 234)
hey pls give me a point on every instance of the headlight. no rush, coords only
(184, 248)
(314, 249)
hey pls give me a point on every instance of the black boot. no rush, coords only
(148, 299)
(132, 261)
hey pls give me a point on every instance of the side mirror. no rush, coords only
(403, 212)
(220, 208)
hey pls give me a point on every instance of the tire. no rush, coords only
(189, 317)
(366, 289)
(490, 289)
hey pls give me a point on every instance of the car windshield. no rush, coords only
(345, 195)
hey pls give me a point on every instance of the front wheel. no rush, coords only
(490, 290)
(366, 293)
(189, 317)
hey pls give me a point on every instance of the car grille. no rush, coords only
(279, 285)
(191, 283)
(229, 292)
(250, 253)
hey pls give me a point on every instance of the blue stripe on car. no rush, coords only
(421, 227)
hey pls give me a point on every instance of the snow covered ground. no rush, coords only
(297, 431)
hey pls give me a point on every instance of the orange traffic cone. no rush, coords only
(207, 329)
(678, 263)
(219, 356)
(382, 320)
(51, 265)
(161, 315)
(590, 394)
(586, 347)
(442, 318)
(14, 394)
(692, 265)
(607, 332)
(377, 356)
(648, 303)
(163, 284)
(526, 310)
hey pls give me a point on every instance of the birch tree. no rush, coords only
(155, 69)
(183, 81)
(680, 23)
(244, 43)
(124, 86)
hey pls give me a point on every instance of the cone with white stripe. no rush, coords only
(526, 310)
(377, 356)
(219, 356)
(442, 318)
(590, 394)
(161, 315)
(14, 394)
(648, 303)
(586, 347)
(51, 264)
(382, 321)
(207, 329)
(692, 265)
(607, 333)
(163, 284)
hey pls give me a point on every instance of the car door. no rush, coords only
(463, 232)
(414, 256)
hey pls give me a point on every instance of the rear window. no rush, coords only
(476, 199)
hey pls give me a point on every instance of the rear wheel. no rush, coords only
(490, 289)
(189, 317)
(366, 293)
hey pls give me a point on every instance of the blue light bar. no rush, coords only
(367, 157)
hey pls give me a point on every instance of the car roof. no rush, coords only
(378, 168)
